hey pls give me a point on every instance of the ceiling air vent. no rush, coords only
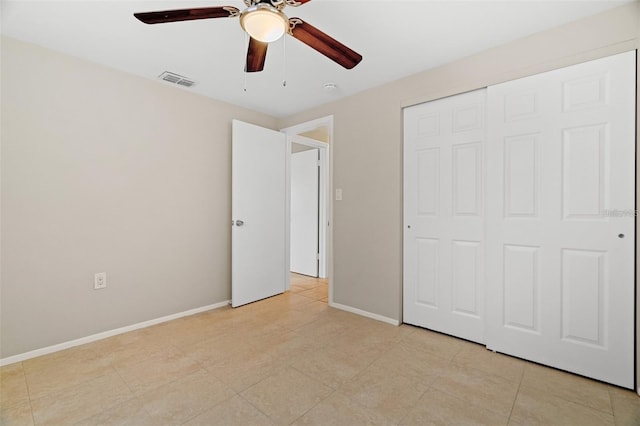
(176, 79)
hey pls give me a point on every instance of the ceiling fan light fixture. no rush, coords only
(264, 22)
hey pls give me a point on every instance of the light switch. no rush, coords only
(338, 194)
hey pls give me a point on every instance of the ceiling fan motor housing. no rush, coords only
(279, 4)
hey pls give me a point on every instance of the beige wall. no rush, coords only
(105, 171)
(367, 248)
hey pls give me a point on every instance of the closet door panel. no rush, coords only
(444, 163)
(560, 218)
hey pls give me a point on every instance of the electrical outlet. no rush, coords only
(100, 280)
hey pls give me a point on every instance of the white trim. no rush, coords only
(364, 313)
(311, 125)
(287, 214)
(105, 334)
(303, 140)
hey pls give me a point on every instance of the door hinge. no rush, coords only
(317, 256)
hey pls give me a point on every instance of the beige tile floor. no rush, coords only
(291, 359)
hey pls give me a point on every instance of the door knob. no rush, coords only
(239, 222)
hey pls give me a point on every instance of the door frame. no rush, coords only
(325, 214)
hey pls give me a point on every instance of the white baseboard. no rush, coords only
(105, 334)
(364, 313)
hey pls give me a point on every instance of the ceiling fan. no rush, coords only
(264, 21)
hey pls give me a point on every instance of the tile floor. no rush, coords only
(291, 359)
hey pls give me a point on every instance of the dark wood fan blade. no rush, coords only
(186, 14)
(328, 46)
(256, 55)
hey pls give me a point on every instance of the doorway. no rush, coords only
(255, 233)
(315, 135)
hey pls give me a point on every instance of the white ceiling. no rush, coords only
(396, 38)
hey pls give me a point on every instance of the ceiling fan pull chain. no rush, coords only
(284, 65)
(246, 46)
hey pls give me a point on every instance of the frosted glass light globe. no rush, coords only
(264, 22)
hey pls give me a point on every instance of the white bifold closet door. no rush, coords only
(443, 215)
(560, 228)
(536, 260)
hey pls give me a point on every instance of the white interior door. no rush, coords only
(443, 215)
(259, 265)
(560, 266)
(304, 212)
